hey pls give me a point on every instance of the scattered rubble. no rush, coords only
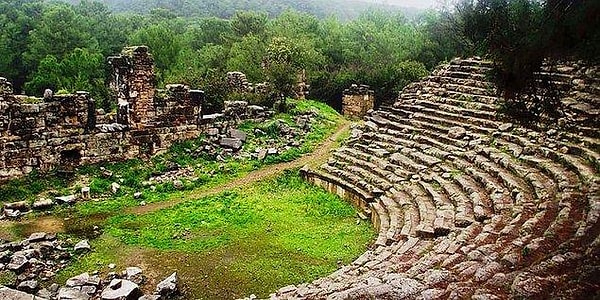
(37, 259)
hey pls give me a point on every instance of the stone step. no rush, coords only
(444, 221)
(463, 206)
(377, 152)
(436, 123)
(593, 211)
(381, 221)
(584, 169)
(427, 211)
(464, 79)
(433, 135)
(396, 219)
(543, 185)
(363, 169)
(461, 96)
(472, 64)
(456, 107)
(341, 177)
(407, 163)
(481, 203)
(512, 183)
(452, 116)
(469, 90)
(378, 166)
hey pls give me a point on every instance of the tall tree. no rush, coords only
(59, 31)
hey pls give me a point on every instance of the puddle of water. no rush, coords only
(81, 227)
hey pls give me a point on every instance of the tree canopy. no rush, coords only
(64, 46)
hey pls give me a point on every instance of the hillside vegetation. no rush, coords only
(64, 46)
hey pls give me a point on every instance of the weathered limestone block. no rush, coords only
(237, 82)
(134, 82)
(357, 101)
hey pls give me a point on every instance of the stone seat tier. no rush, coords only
(458, 107)
(396, 214)
(377, 171)
(436, 133)
(464, 207)
(463, 96)
(469, 90)
(381, 221)
(584, 169)
(464, 79)
(492, 213)
(364, 169)
(353, 179)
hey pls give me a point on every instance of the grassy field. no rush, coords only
(252, 240)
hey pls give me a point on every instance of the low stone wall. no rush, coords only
(359, 199)
(357, 101)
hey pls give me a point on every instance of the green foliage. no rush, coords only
(164, 44)
(246, 56)
(58, 34)
(257, 238)
(519, 35)
(80, 70)
(29, 187)
(245, 23)
(38, 38)
(8, 278)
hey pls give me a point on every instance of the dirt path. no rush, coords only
(314, 159)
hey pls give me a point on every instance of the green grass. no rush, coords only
(253, 240)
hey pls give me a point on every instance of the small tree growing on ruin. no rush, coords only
(282, 63)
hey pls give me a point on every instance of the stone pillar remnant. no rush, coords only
(134, 84)
(357, 101)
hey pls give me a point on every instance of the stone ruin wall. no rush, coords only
(237, 82)
(357, 101)
(65, 131)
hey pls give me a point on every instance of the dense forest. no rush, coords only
(64, 46)
(345, 9)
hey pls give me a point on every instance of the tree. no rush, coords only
(248, 22)
(164, 44)
(17, 19)
(519, 35)
(283, 62)
(59, 31)
(80, 70)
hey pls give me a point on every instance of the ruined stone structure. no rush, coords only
(65, 131)
(238, 83)
(469, 206)
(357, 101)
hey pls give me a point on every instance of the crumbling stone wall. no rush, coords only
(238, 83)
(134, 85)
(357, 101)
(66, 131)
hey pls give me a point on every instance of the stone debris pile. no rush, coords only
(27, 267)
(26, 264)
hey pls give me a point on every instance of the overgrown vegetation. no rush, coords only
(521, 35)
(252, 239)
